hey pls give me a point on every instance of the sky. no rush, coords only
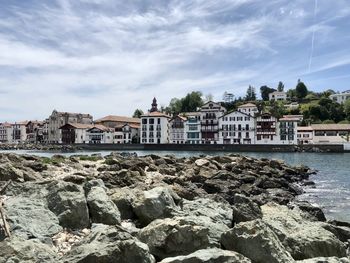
(111, 56)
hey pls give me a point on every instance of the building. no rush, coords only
(131, 133)
(112, 121)
(340, 97)
(278, 95)
(154, 126)
(287, 129)
(59, 119)
(46, 131)
(304, 135)
(292, 106)
(248, 108)
(192, 127)
(74, 133)
(330, 133)
(237, 127)
(177, 133)
(99, 134)
(34, 130)
(19, 132)
(6, 131)
(210, 113)
(266, 132)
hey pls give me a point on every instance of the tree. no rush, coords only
(301, 90)
(175, 106)
(265, 91)
(280, 86)
(228, 97)
(192, 101)
(251, 95)
(137, 113)
(347, 109)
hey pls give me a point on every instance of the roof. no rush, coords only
(285, 118)
(247, 105)
(100, 127)
(330, 127)
(133, 125)
(115, 118)
(6, 124)
(279, 92)
(244, 113)
(78, 125)
(304, 128)
(156, 114)
(188, 114)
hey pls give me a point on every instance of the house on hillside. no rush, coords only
(278, 95)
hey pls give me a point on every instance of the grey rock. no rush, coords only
(245, 209)
(68, 202)
(255, 240)
(30, 218)
(124, 198)
(325, 260)
(302, 238)
(101, 208)
(8, 172)
(108, 244)
(153, 204)
(20, 250)
(210, 255)
(173, 237)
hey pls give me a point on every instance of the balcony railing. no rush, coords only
(211, 122)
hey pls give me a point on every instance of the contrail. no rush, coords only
(313, 36)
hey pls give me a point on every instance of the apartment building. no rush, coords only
(154, 126)
(99, 134)
(304, 135)
(34, 130)
(74, 133)
(59, 119)
(192, 127)
(266, 132)
(6, 131)
(210, 113)
(278, 95)
(288, 129)
(248, 108)
(237, 127)
(340, 97)
(112, 121)
(177, 132)
(19, 132)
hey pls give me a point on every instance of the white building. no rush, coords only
(59, 119)
(99, 134)
(210, 114)
(305, 135)
(237, 127)
(19, 132)
(74, 133)
(288, 130)
(177, 131)
(131, 133)
(278, 95)
(330, 133)
(6, 131)
(266, 129)
(193, 127)
(154, 126)
(340, 97)
(248, 108)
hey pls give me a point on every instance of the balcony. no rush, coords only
(209, 123)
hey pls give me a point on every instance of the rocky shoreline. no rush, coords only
(124, 208)
(39, 147)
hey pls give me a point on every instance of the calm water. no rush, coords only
(332, 191)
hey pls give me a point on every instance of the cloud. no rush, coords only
(106, 56)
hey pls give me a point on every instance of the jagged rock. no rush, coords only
(341, 232)
(68, 202)
(325, 260)
(210, 255)
(124, 198)
(302, 238)
(255, 240)
(202, 162)
(101, 208)
(245, 209)
(153, 204)
(174, 236)
(312, 212)
(30, 218)
(20, 250)
(8, 172)
(109, 244)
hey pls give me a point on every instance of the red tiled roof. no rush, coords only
(114, 118)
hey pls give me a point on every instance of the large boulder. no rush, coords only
(109, 244)
(68, 202)
(173, 237)
(153, 204)
(17, 249)
(210, 255)
(30, 218)
(101, 208)
(245, 209)
(255, 240)
(124, 198)
(302, 238)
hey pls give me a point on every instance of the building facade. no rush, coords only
(237, 127)
(177, 133)
(210, 113)
(59, 119)
(266, 129)
(340, 97)
(192, 127)
(278, 95)
(34, 130)
(155, 126)
(19, 132)
(248, 108)
(288, 130)
(304, 135)
(6, 131)
(330, 133)
(112, 121)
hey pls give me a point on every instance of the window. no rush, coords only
(158, 121)
(151, 121)
(258, 137)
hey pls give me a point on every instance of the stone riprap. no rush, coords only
(124, 208)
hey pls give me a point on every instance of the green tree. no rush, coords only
(137, 113)
(192, 101)
(251, 95)
(265, 91)
(280, 86)
(347, 109)
(301, 90)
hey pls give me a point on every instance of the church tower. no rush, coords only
(154, 105)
